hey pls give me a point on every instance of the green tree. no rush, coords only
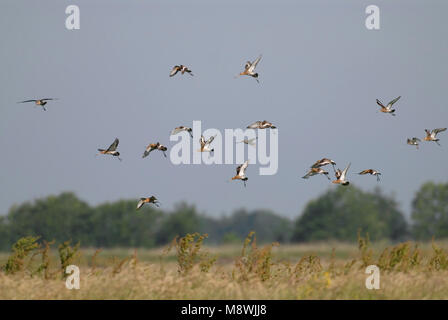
(120, 224)
(184, 219)
(430, 211)
(61, 218)
(268, 226)
(341, 211)
(5, 241)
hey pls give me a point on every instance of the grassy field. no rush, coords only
(191, 270)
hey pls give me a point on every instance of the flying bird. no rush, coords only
(388, 108)
(39, 102)
(182, 70)
(371, 172)
(182, 128)
(341, 176)
(314, 171)
(154, 146)
(112, 150)
(431, 135)
(205, 145)
(323, 162)
(151, 199)
(249, 69)
(249, 141)
(261, 125)
(241, 172)
(413, 142)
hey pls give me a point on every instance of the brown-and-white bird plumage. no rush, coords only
(261, 125)
(371, 172)
(151, 199)
(39, 102)
(112, 150)
(182, 70)
(241, 172)
(249, 69)
(205, 144)
(431, 135)
(315, 171)
(341, 176)
(182, 128)
(323, 162)
(388, 108)
(413, 142)
(154, 146)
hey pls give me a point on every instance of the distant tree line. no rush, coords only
(335, 215)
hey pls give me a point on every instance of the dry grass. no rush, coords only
(312, 271)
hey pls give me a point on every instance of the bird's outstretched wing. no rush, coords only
(114, 145)
(141, 203)
(254, 125)
(380, 103)
(147, 152)
(27, 101)
(210, 140)
(254, 64)
(436, 131)
(308, 174)
(174, 71)
(177, 130)
(344, 173)
(242, 168)
(393, 101)
(238, 169)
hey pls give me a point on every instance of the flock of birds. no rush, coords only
(315, 169)
(341, 176)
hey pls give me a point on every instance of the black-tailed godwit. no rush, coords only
(151, 199)
(431, 135)
(388, 108)
(112, 150)
(39, 102)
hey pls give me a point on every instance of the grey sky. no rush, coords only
(319, 77)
